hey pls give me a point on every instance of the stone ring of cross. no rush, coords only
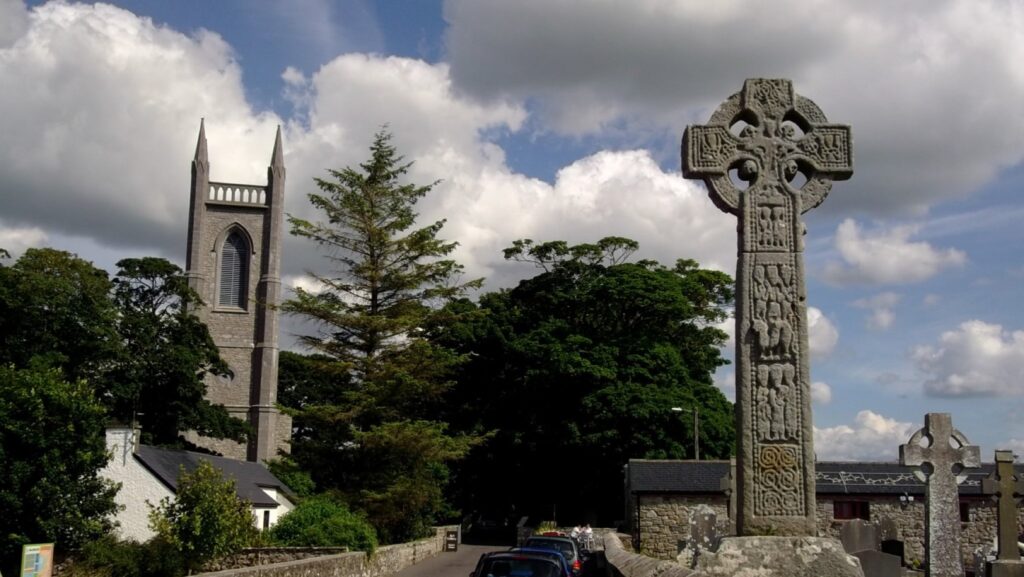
(768, 135)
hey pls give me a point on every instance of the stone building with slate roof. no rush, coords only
(149, 474)
(660, 494)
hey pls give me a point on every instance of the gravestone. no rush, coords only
(889, 535)
(940, 452)
(781, 136)
(859, 535)
(728, 486)
(888, 529)
(877, 564)
(1006, 486)
(703, 528)
(703, 535)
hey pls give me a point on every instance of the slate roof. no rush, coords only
(166, 465)
(647, 476)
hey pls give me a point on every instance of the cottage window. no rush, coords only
(851, 510)
(234, 266)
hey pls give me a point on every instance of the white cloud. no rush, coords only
(16, 239)
(872, 437)
(13, 21)
(929, 122)
(821, 393)
(822, 334)
(977, 359)
(98, 136)
(931, 300)
(486, 204)
(886, 256)
(881, 307)
(105, 129)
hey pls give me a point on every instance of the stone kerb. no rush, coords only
(384, 561)
(625, 564)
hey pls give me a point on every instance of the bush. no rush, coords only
(322, 521)
(110, 557)
(206, 520)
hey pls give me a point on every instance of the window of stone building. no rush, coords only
(965, 512)
(851, 510)
(234, 266)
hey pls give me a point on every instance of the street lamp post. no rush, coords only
(696, 429)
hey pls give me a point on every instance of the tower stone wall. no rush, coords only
(244, 325)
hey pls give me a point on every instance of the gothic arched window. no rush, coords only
(234, 268)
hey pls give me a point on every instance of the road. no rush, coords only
(449, 564)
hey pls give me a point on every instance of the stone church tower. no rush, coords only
(234, 263)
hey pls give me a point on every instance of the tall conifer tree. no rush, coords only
(373, 311)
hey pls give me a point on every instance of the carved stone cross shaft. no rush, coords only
(941, 451)
(1007, 486)
(768, 136)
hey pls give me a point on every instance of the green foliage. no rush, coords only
(403, 473)
(380, 373)
(288, 472)
(577, 369)
(52, 446)
(111, 557)
(323, 521)
(206, 520)
(55, 310)
(166, 353)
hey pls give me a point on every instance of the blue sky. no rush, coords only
(561, 120)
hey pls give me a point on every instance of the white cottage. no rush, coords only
(149, 474)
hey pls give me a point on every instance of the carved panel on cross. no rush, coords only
(772, 221)
(779, 490)
(776, 309)
(777, 402)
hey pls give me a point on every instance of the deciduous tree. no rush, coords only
(158, 379)
(52, 447)
(578, 368)
(206, 520)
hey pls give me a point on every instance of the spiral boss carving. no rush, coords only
(781, 145)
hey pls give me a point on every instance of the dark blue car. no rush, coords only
(509, 564)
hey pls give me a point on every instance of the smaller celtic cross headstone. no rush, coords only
(1006, 486)
(941, 452)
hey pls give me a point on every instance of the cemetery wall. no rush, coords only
(384, 561)
(664, 521)
(622, 563)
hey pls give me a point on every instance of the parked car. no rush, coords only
(564, 545)
(547, 553)
(507, 564)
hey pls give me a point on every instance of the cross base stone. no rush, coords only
(1004, 568)
(779, 557)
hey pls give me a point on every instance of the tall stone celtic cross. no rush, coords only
(1007, 486)
(941, 452)
(768, 135)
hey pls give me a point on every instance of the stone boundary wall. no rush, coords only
(664, 521)
(622, 563)
(270, 555)
(384, 561)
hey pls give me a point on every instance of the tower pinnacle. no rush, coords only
(201, 144)
(277, 157)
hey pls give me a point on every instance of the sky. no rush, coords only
(561, 119)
